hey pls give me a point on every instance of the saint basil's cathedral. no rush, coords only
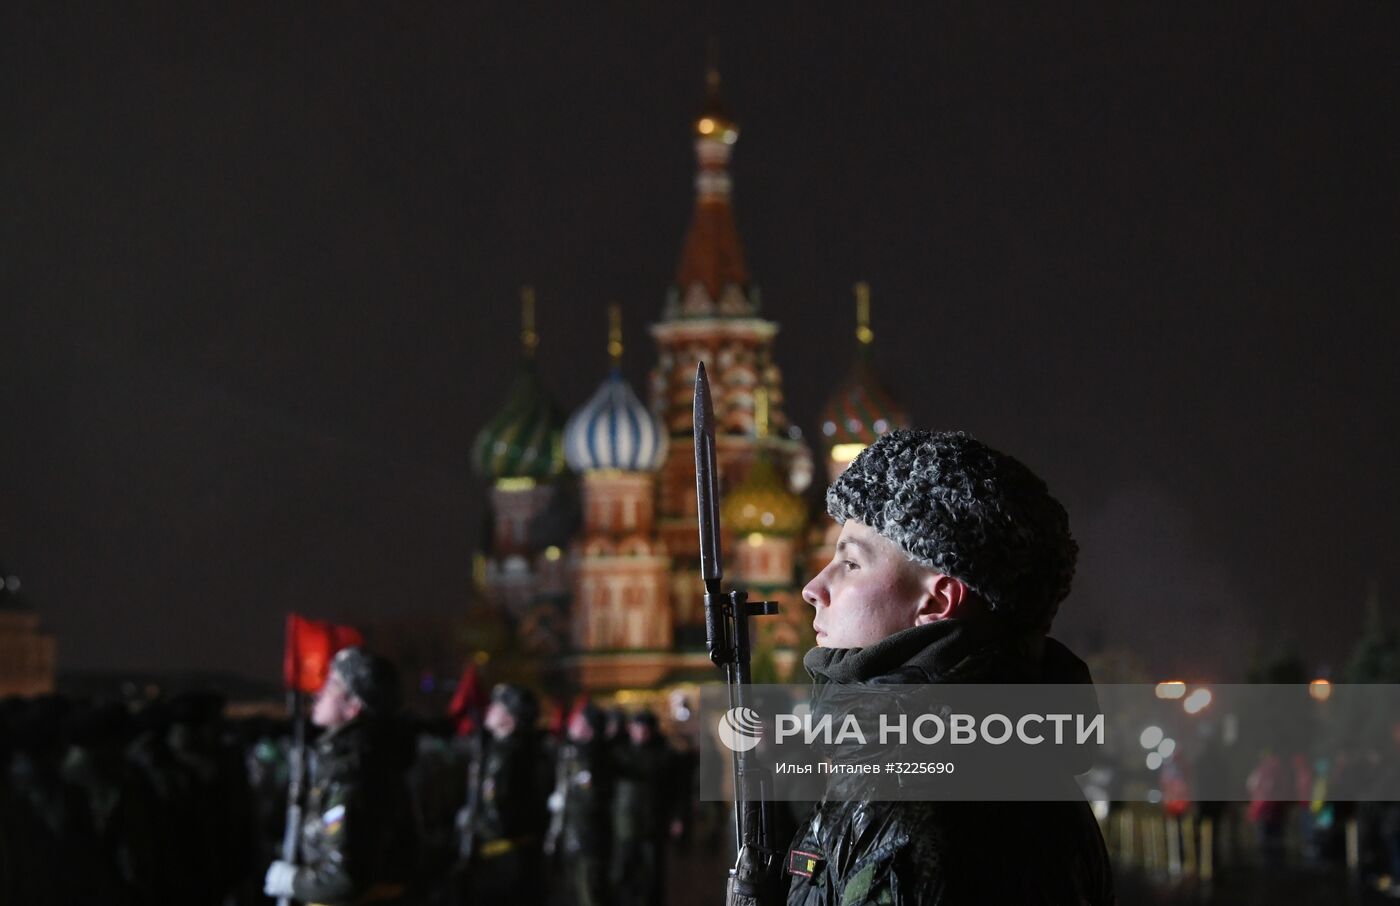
(590, 559)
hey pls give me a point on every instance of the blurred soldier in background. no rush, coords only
(642, 812)
(357, 841)
(503, 822)
(580, 805)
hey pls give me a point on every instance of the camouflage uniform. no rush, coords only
(642, 809)
(357, 837)
(505, 817)
(580, 833)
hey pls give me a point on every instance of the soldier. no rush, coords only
(642, 811)
(503, 821)
(357, 838)
(952, 562)
(581, 802)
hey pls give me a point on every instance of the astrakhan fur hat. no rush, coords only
(958, 506)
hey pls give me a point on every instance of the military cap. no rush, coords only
(519, 701)
(370, 678)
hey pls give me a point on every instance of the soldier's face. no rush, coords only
(498, 720)
(869, 590)
(334, 704)
(580, 730)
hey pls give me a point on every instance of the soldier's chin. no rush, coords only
(822, 641)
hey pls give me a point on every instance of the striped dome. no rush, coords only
(614, 430)
(522, 440)
(861, 409)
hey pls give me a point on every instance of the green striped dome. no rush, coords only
(524, 439)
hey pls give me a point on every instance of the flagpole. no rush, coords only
(291, 837)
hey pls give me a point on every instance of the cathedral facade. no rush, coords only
(591, 552)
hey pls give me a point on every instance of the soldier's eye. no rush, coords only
(850, 565)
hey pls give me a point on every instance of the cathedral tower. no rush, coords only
(712, 314)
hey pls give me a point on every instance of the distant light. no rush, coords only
(12, 584)
(881, 426)
(1154, 761)
(767, 519)
(1320, 690)
(706, 126)
(1167, 747)
(1151, 737)
(1154, 796)
(846, 452)
(1197, 701)
(552, 553)
(828, 428)
(1171, 689)
(514, 484)
(755, 539)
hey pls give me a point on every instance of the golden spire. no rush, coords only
(528, 337)
(760, 413)
(615, 333)
(863, 332)
(715, 120)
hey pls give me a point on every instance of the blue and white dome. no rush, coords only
(614, 430)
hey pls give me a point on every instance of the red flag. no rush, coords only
(468, 702)
(310, 646)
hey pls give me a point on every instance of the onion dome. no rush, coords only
(762, 503)
(614, 430)
(861, 409)
(522, 441)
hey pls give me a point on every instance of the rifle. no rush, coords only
(291, 835)
(466, 815)
(557, 799)
(727, 638)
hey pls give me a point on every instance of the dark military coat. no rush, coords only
(856, 851)
(585, 816)
(357, 839)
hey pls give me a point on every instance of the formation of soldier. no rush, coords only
(103, 804)
(169, 801)
(583, 821)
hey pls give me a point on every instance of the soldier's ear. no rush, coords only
(943, 596)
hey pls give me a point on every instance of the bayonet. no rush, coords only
(727, 639)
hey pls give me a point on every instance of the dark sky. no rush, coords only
(258, 277)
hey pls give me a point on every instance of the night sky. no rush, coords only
(259, 274)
